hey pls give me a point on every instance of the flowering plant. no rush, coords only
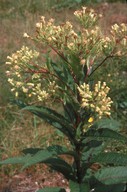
(85, 116)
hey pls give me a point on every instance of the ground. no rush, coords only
(32, 181)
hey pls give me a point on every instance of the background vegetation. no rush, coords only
(17, 129)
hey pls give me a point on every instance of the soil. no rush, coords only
(31, 180)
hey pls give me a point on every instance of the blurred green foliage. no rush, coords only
(13, 7)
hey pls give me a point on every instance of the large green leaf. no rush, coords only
(112, 175)
(108, 123)
(55, 149)
(60, 150)
(104, 134)
(43, 155)
(16, 160)
(92, 148)
(39, 157)
(20, 103)
(110, 158)
(31, 151)
(53, 118)
(76, 187)
(64, 74)
(100, 187)
(52, 189)
(61, 166)
(110, 188)
(76, 67)
(70, 112)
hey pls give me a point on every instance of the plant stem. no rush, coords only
(100, 64)
(78, 163)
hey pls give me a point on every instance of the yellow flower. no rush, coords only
(91, 119)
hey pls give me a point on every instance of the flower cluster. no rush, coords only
(25, 77)
(119, 37)
(88, 43)
(119, 30)
(66, 40)
(19, 65)
(87, 17)
(107, 45)
(44, 93)
(96, 100)
(22, 57)
(56, 36)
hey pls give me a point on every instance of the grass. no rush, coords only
(19, 130)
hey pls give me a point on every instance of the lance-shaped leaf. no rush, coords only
(70, 111)
(53, 118)
(56, 149)
(110, 158)
(52, 189)
(104, 134)
(16, 160)
(61, 166)
(92, 148)
(76, 187)
(20, 103)
(112, 175)
(60, 150)
(42, 155)
(31, 151)
(37, 155)
(64, 74)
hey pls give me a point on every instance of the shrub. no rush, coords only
(86, 107)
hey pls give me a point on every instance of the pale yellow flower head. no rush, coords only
(96, 100)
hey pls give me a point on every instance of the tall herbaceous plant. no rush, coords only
(86, 107)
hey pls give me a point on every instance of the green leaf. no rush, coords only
(61, 166)
(53, 118)
(31, 151)
(56, 149)
(78, 1)
(76, 67)
(70, 112)
(43, 155)
(108, 188)
(16, 160)
(112, 175)
(64, 74)
(100, 187)
(76, 187)
(52, 189)
(104, 134)
(108, 123)
(20, 103)
(110, 158)
(39, 157)
(92, 148)
(60, 150)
